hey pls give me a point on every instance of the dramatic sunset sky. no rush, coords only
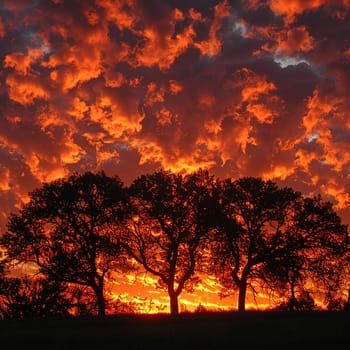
(243, 88)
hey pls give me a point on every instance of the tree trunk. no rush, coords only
(242, 295)
(292, 301)
(174, 304)
(101, 302)
(243, 288)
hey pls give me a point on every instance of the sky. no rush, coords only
(242, 88)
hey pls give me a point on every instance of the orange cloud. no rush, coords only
(174, 159)
(196, 15)
(304, 158)
(252, 85)
(150, 151)
(23, 63)
(164, 117)
(154, 94)
(175, 87)
(121, 13)
(163, 51)
(338, 192)
(206, 100)
(286, 41)
(212, 46)
(113, 118)
(188, 164)
(5, 177)
(26, 89)
(257, 96)
(293, 8)
(75, 65)
(280, 172)
(326, 127)
(78, 109)
(295, 39)
(39, 169)
(114, 80)
(262, 113)
(213, 126)
(43, 166)
(17, 60)
(92, 16)
(228, 142)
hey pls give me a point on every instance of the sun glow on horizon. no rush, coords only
(142, 292)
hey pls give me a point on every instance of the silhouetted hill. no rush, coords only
(260, 330)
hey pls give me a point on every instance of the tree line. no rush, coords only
(250, 233)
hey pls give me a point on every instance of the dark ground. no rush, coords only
(259, 330)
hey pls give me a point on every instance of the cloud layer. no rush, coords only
(243, 88)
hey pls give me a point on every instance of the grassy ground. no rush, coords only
(260, 330)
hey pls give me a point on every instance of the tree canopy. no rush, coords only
(71, 229)
(169, 224)
(250, 233)
(276, 238)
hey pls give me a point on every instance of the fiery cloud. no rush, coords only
(243, 88)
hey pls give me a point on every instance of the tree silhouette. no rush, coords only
(320, 245)
(32, 298)
(314, 262)
(168, 227)
(249, 232)
(71, 229)
(271, 236)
